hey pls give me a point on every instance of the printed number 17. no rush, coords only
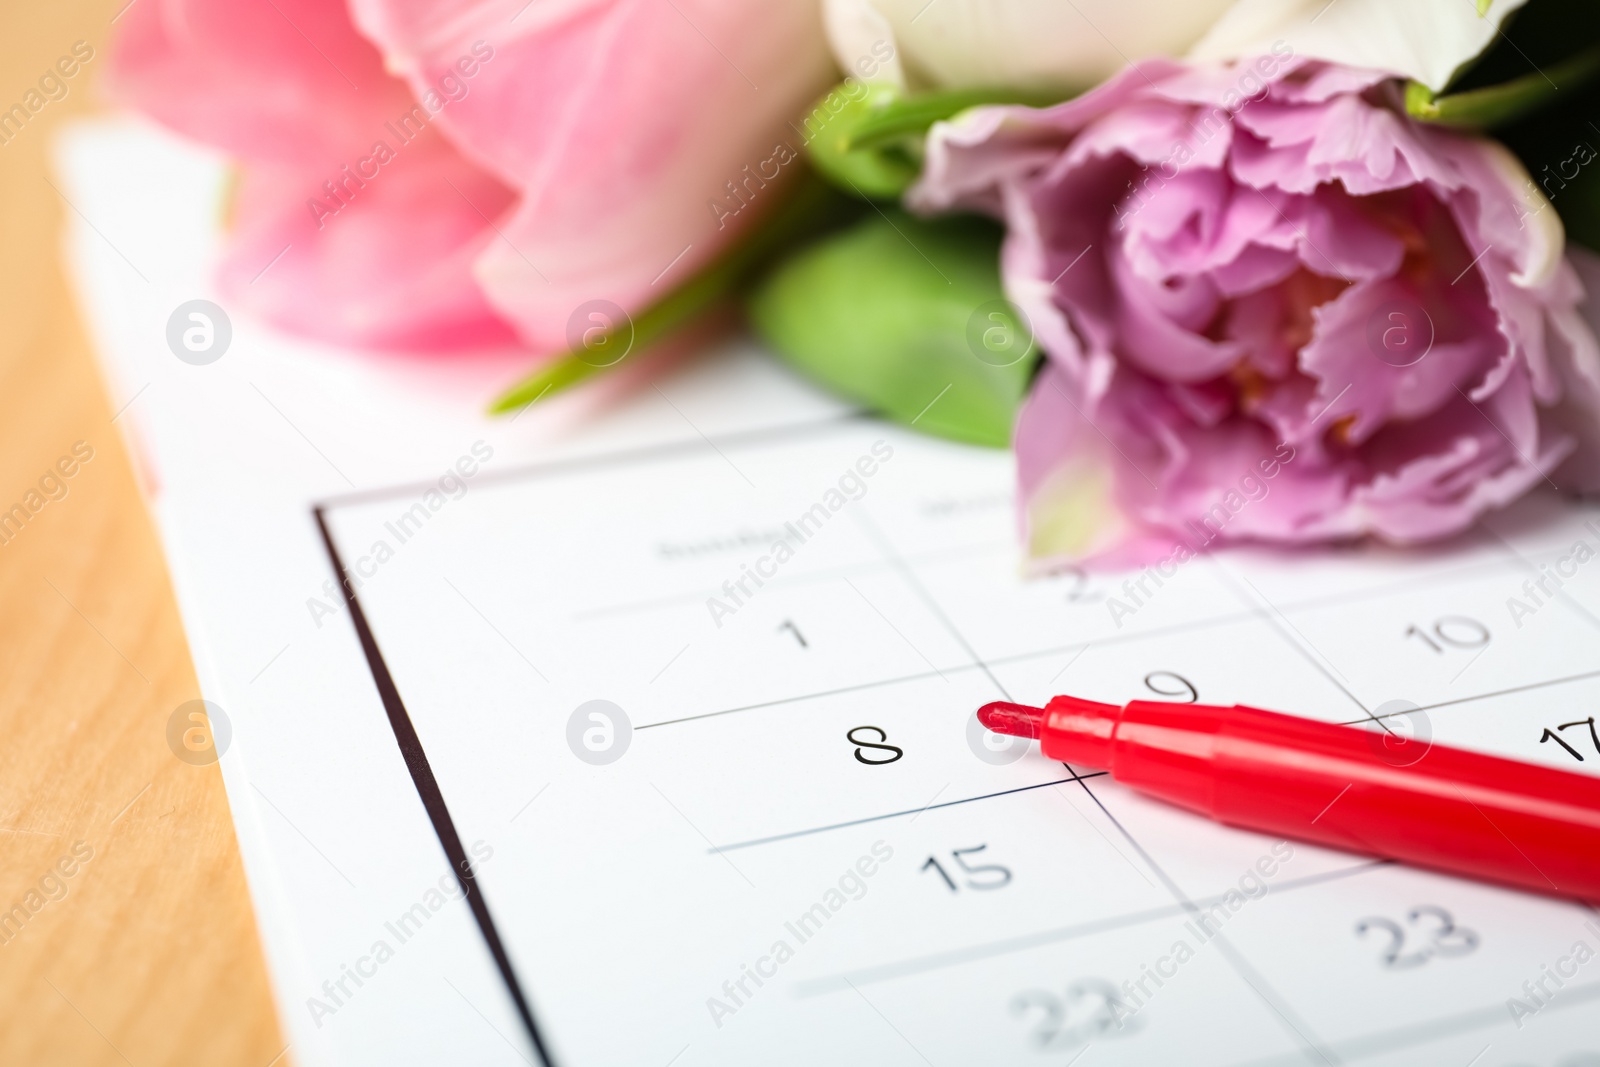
(1593, 736)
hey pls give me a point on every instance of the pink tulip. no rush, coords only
(432, 175)
(1274, 308)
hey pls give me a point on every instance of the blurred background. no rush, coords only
(147, 952)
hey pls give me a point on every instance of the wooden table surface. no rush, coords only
(145, 953)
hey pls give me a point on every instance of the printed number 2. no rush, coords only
(983, 876)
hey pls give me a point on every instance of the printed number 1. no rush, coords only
(983, 876)
(792, 628)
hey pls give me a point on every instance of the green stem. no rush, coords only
(914, 114)
(1496, 105)
(813, 208)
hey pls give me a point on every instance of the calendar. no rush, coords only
(645, 733)
(715, 705)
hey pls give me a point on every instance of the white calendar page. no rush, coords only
(1008, 901)
(777, 838)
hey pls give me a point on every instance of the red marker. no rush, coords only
(1461, 812)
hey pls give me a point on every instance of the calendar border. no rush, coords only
(432, 796)
(405, 732)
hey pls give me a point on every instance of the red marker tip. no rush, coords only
(1018, 720)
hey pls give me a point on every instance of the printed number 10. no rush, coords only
(1457, 631)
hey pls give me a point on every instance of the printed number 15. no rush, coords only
(983, 876)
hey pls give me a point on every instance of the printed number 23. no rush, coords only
(1432, 925)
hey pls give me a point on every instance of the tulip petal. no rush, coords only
(1421, 360)
(334, 239)
(392, 269)
(861, 36)
(1030, 44)
(1428, 40)
(643, 136)
(286, 82)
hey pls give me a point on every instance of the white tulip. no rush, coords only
(1047, 44)
(1428, 40)
(1074, 44)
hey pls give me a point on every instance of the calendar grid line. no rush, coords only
(1399, 1037)
(1445, 576)
(1527, 687)
(698, 596)
(946, 593)
(670, 451)
(1254, 612)
(1310, 1043)
(859, 687)
(1024, 942)
(975, 548)
(911, 579)
(1276, 619)
(1236, 960)
(1021, 657)
(896, 814)
(1525, 565)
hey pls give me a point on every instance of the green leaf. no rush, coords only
(907, 316)
(1497, 105)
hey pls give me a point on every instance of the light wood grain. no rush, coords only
(151, 956)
